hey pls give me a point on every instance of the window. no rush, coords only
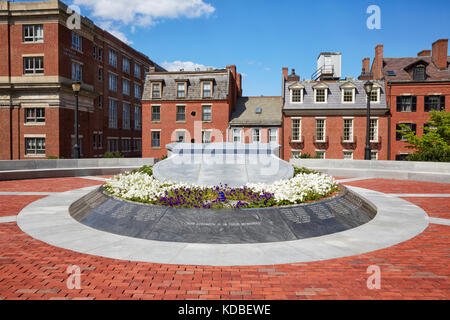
(206, 114)
(100, 141)
(77, 71)
(156, 90)
(273, 135)
(77, 42)
(137, 70)
(94, 140)
(33, 33)
(126, 144)
(206, 136)
(207, 89)
(100, 74)
(137, 91)
(399, 136)
(113, 145)
(180, 136)
(181, 113)
(35, 146)
(297, 95)
(112, 82)
(137, 118)
(320, 130)
(112, 58)
(138, 145)
(94, 54)
(320, 154)
(406, 104)
(374, 95)
(401, 157)
(348, 155)
(156, 113)
(126, 116)
(126, 87)
(256, 137)
(35, 115)
(347, 95)
(156, 139)
(296, 154)
(419, 73)
(374, 130)
(236, 135)
(181, 89)
(373, 155)
(320, 95)
(112, 112)
(100, 54)
(33, 65)
(126, 65)
(348, 130)
(100, 102)
(434, 103)
(296, 129)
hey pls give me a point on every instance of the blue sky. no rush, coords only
(262, 36)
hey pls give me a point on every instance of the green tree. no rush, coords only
(434, 145)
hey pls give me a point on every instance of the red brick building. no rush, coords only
(187, 107)
(327, 118)
(40, 57)
(414, 87)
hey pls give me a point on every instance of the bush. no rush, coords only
(304, 170)
(112, 155)
(148, 170)
(52, 157)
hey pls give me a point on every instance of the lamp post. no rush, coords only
(368, 86)
(76, 86)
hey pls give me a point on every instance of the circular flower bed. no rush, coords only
(141, 186)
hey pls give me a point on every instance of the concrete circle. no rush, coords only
(48, 220)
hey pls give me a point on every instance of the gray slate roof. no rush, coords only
(169, 88)
(245, 111)
(334, 96)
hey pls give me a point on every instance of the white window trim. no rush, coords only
(324, 152)
(300, 131)
(377, 154)
(324, 129)
(276, 134)
(203, 82)
(301, 95)
(240, 135)
(351, 151)
(210, 137)
(353, 96)
(295, 150)
(315, 95)
(378, 95)
(160, 90)
(378, 129)
(260, 135)
(352, 134)
(151, 139)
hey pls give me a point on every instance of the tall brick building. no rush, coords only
(40, 57)
(414, 87)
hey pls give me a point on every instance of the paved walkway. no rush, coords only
(415, 269)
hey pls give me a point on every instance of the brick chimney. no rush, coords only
(293, 76)
(366, 65)
(424, 53)
(233, 70)
(377, 66)
(239, 84)
(439, 54)
(285, 73)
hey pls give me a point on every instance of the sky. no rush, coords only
(261, 37)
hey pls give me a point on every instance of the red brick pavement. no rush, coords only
(416, 269)
(47, 185)
(435, 207)
(398, 186)
(12, 205)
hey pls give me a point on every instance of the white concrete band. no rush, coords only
(48, 220)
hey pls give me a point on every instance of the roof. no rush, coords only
(220, 79)
(334, 96)
(245, 111)
(400, 67)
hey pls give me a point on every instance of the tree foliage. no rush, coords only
(434, 145)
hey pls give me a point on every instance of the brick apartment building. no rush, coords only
(327, 117)
(40, 57)
(187, 107)
(415, 86)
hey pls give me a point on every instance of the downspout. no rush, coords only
(389, 122)
(282, 156)
(11, 108)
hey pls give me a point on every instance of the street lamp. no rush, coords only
(368, 86)
(76, 87)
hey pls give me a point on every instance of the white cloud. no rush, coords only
(145, 12)
(108, 26)
(185, 65)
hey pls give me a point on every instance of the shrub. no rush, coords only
(148, 170)
(112, 155)
(52, 157)
(304, 170)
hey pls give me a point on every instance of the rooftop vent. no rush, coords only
(258, 110)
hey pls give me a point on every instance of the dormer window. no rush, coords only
(181, 90)
(320, 93)
(296, 91)
(419, 73)
(348, 94)
(206, 89)
(156, 90)
(375, 95)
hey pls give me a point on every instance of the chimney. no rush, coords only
(293, 76)
(366, 65)
(152, 69)
(377, 66)
(233, 70)
(424, 53)
(285, 73)
(239, 84)
(439, 55)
